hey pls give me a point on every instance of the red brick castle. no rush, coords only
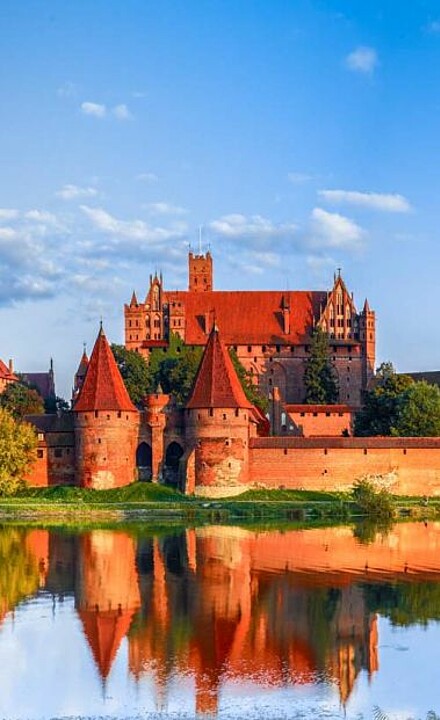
(215, 446)
(270, 330)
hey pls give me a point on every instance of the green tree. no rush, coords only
(135, 372)
(18, 443)
(418, 411)
(20, 400)
(382, 403)
(251, 391)
(320, 379)
(56, 404)
(175, 369)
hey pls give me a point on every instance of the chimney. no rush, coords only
(11, 366)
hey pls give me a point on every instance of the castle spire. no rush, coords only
(134, 300)
(103, 387)
(217, 383)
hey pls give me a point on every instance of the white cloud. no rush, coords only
(7, 233)
(131, 229)
(334, 230)
(121, 112)
(363, 60)
(94, 109)
(376, 201)
(8, 214)
(41, 216)
(164, 208)
(73, 192)
(148, 177)
(298, 178)
(255, 227)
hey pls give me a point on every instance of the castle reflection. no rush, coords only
(223, 603)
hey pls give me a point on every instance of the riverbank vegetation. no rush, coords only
(150, 502)
(18, 443)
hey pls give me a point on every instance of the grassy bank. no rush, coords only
(152, 503)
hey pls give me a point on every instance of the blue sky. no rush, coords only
(303, 136)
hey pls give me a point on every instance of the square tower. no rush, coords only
(200, 272)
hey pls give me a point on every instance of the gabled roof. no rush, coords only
(5, 373)
(103, 387)
(216, 383)
(249, 317)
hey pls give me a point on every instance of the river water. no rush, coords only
(227, 622)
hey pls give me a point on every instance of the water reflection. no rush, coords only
(222, 605)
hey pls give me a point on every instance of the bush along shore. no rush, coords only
(148, 502)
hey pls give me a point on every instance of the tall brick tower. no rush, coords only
(106, 423)
(367, 336)
(218, 423)
(200, 272)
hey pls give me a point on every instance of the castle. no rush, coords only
(269, 330)
(215, 445)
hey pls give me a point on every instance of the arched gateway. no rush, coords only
(144, 461)
(172, 459)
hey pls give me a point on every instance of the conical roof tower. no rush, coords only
(103, 387)
(216, 384)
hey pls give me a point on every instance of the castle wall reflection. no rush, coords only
(217, 603)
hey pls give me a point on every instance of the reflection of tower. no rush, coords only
(107, 593)
(355, 631)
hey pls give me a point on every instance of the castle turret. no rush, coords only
(200, 272)
(80, 375)
(367, 333)
(219, 421)
(106, 423)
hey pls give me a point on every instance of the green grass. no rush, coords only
(136, 493)
(153, 503)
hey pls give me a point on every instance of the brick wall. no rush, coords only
(334, 464)
(106, 448)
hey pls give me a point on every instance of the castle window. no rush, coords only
(237, 412)
(108, 417)
(96, 413)
(119, 413)
(327, 414)
(129, 323)
(292, 348)
(211, 412)
(249, 348)
(315, 414)
(224, 416)
(40, 453)
(255, 360)
(278, 348)
(58, 452)
(302, 414)
(263, 348)
(227, 443)
(99, 441)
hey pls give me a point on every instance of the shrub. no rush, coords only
(376, 502)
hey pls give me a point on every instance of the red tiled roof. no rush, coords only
(83, 365)
(6, 374)
(216, 383)
(103, 387)
(249, 317)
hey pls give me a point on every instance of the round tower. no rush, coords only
(219, 420)
(155, 405)
(106, 424)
